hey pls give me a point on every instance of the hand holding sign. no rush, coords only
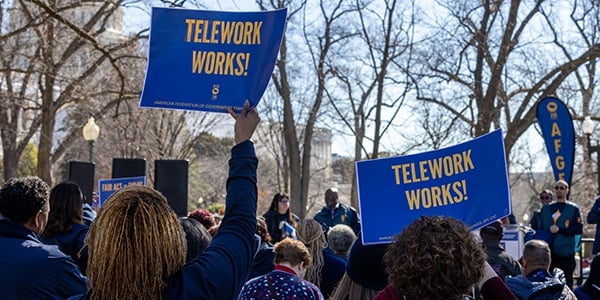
(210, 60)
(245, 123)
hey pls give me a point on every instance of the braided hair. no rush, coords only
(311, 234)
(135, 244)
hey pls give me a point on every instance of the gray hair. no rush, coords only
(340, 237)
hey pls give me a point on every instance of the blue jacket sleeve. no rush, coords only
(593, 216)
(221, 270)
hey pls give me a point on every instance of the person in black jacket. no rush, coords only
(545, 197)
(265, 256)
(280, 211)
(497, 257)
(66, 228)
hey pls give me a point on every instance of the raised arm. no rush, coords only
(220, 272)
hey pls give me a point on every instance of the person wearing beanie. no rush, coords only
(497, 257)
(365, 273)
(285, 281)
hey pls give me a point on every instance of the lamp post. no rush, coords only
(91, 131)
(588, 127)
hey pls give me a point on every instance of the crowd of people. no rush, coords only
(137, 248)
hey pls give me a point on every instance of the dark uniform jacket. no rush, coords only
(342, 214)
(500, 260)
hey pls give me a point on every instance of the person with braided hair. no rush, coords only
(326, 269)
(137, 248)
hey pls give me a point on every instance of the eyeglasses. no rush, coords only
(285, 201)
(560, 187)
(545, 197)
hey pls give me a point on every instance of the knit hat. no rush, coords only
(365, 265)
(494, 228)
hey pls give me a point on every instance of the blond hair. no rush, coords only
(311, 234)
(347, 289)
(135, 244)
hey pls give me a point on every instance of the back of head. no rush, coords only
(292, 252)
(365, 272)
(22, 198)
(492, 232)
(311, 234)
(536, 254)
(340, 237)
(262, 230)
(203, 216)
(434, 258)
(365, 265)
(135, 244)
(196, 236)
(66, 199)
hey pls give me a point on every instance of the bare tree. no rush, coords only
(58, 53)
(579, 89)
(322, 30)
(373, 75)
(466, 65)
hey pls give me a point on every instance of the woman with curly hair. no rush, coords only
(280, 211)
(326, 269)
(438, 258)
(66, 228)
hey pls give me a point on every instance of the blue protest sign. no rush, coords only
(210, 60)
(107, 187)
(557, 129)
(468, 181)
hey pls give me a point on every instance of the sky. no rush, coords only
(138, 18)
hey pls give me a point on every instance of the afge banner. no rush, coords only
(557, 129)
(468, 181)
(210, 60)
